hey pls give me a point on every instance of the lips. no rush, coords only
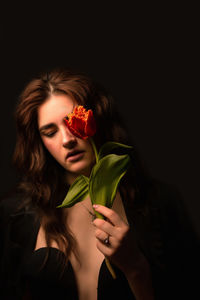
(74, 154)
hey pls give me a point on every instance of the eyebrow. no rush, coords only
(47, 126)
(50, 125)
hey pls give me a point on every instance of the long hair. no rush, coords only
(42, 178)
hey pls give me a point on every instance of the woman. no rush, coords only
(54, 252)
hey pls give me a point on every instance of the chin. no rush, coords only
(80, 169)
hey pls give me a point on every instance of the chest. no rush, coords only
(87, 267)
(86, 260)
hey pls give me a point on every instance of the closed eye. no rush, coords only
(49, 134)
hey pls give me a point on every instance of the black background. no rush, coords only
(144, 56)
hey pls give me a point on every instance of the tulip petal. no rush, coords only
(78, 125)
(81, 122)
(90, 127)
(72, 130)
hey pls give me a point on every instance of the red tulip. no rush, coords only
(81, 122)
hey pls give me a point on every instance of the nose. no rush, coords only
(68, 139)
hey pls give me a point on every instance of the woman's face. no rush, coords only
(75, 155)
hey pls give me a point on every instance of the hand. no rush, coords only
(122, 248)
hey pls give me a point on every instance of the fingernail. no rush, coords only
(95, 206)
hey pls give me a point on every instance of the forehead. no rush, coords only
(54, 109)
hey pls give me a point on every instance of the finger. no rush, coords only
(101, 235)
(107, 251)
(110, 214)
(105, 226)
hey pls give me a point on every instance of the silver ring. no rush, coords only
(106, 241)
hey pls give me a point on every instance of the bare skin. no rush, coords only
(90, 256)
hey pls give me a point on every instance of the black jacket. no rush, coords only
(164, 233)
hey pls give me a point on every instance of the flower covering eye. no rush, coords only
(106, 173)
(81, 122)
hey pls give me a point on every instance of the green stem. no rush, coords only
(108, 264)
(95, 149)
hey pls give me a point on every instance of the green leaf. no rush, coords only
(109, 146)
(77, 192)
(105, 178)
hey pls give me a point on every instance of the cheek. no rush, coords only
(50, 146)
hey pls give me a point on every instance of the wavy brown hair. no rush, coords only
(42, 178)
